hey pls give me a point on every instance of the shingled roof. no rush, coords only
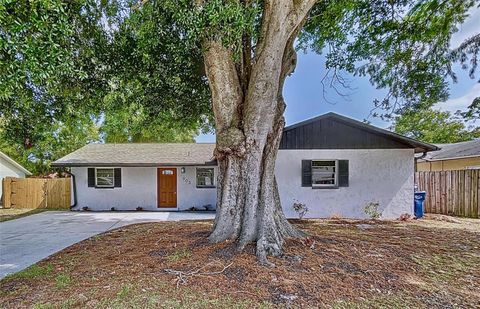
(140, 155)
(455, 151)
(15, 164)
(347, 134)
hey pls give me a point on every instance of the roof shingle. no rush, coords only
(140, 155)
(455, 150)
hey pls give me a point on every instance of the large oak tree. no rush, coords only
(248, 49)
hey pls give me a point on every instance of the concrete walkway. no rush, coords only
(27, 240)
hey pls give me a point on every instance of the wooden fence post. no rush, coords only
(7, 192)
(454, 192)
(36, 193)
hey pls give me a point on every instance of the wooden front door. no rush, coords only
(167, 187)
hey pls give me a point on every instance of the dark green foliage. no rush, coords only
(126, 70)
(153, 64)
(471, 47)
(51, 143)
(34, 44)
(130, 124)
(93, 74)
(433, 126)
(473, 111)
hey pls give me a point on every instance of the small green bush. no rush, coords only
(371, 210)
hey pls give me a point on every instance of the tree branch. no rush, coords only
(224, 84)
(280, 24)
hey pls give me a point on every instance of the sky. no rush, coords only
(306, 97)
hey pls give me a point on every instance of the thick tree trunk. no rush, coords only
(253, 215)
(248, 107)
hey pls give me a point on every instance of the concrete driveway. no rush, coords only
(30, 239)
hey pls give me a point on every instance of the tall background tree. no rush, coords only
(164, 54)
(434, 126)
(80, 71)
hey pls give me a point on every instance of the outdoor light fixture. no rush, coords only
(182, 170)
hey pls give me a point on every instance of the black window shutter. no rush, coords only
(306, 173)
(91, 177)
(343, 173)
(117, 174)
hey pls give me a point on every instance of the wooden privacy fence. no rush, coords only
(36, 193)
(451, 192)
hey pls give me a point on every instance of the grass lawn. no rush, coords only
(345, 264)
(11, 213)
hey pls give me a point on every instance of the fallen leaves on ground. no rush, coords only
(343, 264)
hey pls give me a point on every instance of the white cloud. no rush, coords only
(470, 27)
(460, 103)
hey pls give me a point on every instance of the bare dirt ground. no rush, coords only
(432, 263)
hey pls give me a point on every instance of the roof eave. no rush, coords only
(452, 158)
(100, 164)
(14, 163)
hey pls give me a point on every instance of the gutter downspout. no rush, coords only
(421, 157)
(415, 185)
(74, 189)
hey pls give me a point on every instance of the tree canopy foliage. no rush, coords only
(129, 63)
(434, 126)
(81, 71)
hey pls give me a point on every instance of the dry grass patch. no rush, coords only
(11, 213)
(345, 264)
(7, 214)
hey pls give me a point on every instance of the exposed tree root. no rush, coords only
(183, 276)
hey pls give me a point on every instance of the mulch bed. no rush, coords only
(344, 262)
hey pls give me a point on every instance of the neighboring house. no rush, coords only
(333, 164)
(10, 168)
(456, 156)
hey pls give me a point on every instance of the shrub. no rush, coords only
(300, 208)
(371, 210)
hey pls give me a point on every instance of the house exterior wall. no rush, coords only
(385, 176)
(139, 189)
(448, 165)
(8, 170)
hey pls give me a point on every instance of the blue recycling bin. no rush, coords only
(418, 203)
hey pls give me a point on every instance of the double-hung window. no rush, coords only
(205, 177)
(324, 173)
(104, 177)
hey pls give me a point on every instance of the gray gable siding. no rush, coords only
(330, 133)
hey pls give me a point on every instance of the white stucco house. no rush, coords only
(333, 164)
(10, 168)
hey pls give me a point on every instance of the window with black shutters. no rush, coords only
(325, 173)
(104, 177)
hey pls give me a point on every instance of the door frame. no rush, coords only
(159, 169)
